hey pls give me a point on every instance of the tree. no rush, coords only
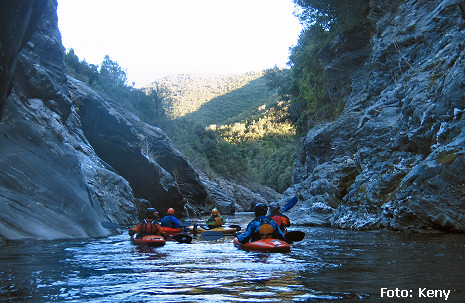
(112, 72)
(333, 14)
(159, 94)
(278, 78)
(306, 84)
(72, 60)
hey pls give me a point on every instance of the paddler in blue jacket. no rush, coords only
(170, 220)
(262, 227)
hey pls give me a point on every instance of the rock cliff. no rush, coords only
(396, 157)
(69, 159)
(52, 184)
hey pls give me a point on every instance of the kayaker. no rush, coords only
(280, 219)
(148, 226)
(262, 227)
(215, 220)
(170, 220)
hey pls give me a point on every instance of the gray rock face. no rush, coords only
(52, 184)
(395, 159)
(17, 22)
(54, 133)
(141, 153)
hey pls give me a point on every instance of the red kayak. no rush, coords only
(172, 231)
(264, 245)
(150, 240)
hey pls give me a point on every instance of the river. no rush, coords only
(329, 265)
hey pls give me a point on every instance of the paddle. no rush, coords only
(186, 224)
(294, 236)
(181, 238)
(290, 204)
(212, 235)
(238, 227)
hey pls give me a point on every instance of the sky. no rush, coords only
(151, 39)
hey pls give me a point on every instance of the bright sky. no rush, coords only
(155, 38)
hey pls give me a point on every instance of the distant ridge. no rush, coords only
(211, 99)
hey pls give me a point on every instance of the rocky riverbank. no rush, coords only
(395, 159)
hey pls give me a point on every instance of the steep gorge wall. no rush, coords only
(396, 157)
(52, 184)
(54, 133)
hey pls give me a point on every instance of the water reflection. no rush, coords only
(327, 266)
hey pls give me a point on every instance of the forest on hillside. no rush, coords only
(185, 94)
(242, 127)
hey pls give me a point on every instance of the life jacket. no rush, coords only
(286, 221)
(282, 221)
(149, 227)
(218, 221)
(266, 231)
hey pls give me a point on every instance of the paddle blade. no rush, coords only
(212, 235)
(237, 227)
(290, 204)
(295, 236)
(182, 238)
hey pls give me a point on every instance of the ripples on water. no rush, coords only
(328, 266)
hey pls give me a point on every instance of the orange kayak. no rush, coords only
(150, 240)
(264, 245)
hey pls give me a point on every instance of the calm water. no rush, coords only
(327, 266)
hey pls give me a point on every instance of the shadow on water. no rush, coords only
(327, 266)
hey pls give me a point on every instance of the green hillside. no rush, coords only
(235, 105)
(213, 99)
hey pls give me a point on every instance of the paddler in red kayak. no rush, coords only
(170, 220)
(148, 226)
(262, 227)
(215, 220)
(283, 221)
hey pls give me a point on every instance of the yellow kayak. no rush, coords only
(227, 230)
